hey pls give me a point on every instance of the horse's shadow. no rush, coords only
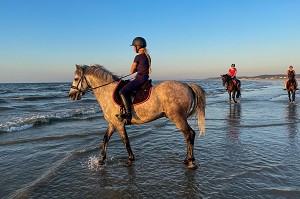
(233, 121)
(292, 119)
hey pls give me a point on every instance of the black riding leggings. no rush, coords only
(132, 86)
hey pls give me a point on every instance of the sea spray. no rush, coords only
(93, 164)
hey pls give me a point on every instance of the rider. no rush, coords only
(232, 73)
(141, 65)
(291, 74)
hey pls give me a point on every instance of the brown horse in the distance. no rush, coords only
(232, 88)
(291, 88)
(172, 99)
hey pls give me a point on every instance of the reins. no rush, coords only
(106, 83)
(89, 85)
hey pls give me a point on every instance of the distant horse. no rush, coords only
(231, 87)
(291, 88)
(174, 100)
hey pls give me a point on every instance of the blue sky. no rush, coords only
(42, 40)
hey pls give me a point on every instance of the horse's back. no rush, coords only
(171, 90)
(174, 96)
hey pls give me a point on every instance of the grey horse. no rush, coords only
(172, 99)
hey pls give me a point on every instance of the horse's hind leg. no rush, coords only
(110, 130)
(189, 135)
(294, 95)
(125, 139)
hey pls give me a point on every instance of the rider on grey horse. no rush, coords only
(141, 65)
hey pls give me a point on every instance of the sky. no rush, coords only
(42, 40)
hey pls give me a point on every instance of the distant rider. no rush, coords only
(232, 73)
(291, 74)
(141, 65)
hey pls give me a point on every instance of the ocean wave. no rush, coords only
(48, 138)
(22, 123)
(3, 92)
(268, 125)
(37, 98)
(2, 101)
(25, 191)
(6, 108)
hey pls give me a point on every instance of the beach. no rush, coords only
(49, 146)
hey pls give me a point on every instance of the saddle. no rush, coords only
(138, 97)
(236, 82)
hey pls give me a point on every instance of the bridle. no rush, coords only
(80, 82)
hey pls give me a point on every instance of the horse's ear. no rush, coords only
(78, 67)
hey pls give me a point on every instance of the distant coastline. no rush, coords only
(262, 77)
(266, 77)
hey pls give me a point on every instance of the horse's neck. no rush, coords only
(228, 78)
(102, 88)
(96, 81)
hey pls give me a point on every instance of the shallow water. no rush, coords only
(49, 147)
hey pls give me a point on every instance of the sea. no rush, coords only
(50, 145)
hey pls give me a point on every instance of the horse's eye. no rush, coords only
(76, 79)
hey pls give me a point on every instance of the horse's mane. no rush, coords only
(99, 71)
(226, 77)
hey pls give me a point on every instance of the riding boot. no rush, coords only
(127, 116)
(284, 86)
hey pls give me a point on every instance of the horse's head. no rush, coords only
(224, 79)
(79, 85)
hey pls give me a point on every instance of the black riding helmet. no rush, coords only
(139, 42)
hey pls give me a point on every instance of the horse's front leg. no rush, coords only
(110, 130)
(233, 96)
(294, 95)
(229, 93)
(289, 94)
(122, 131)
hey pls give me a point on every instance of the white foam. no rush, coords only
(93, 164)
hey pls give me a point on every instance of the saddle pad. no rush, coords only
(140, 96)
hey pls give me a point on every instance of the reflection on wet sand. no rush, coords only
(233, 120)
(190, 183)
(292, 119)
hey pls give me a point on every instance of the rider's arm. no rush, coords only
(133, 68)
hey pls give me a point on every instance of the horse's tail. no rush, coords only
(199, 106)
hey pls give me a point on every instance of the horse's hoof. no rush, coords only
(128, 163)
(101, 162)
(185, 161)
(192, 165)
